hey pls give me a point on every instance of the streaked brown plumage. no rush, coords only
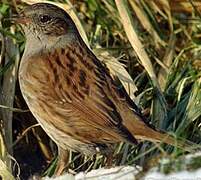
(70, 92)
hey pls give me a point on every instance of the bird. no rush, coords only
(70, 91)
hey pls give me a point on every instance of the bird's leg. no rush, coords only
(116, 158)
(62, 163)
(109, 156)
(109, 160)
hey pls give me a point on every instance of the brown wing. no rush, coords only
(87, 97)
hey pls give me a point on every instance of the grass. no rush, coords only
(154, 49)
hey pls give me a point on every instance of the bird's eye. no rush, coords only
(44, 18)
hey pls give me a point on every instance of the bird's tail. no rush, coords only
(163, 137)
(142, 131)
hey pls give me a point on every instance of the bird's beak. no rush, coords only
(21, 19)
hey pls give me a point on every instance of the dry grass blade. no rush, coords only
(167, 61)
(184, 5)
(163, 8)
(13, 109)
(124, 12)
(145, 22)
(3, 152)
(4, 172)
(8, 90)
(169, 53)
(117, 69)
(11, 54)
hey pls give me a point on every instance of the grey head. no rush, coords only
(46, 26)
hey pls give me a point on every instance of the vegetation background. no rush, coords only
(153, 46)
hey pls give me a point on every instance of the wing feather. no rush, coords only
(89, 96)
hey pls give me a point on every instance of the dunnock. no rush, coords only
(70, 92)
